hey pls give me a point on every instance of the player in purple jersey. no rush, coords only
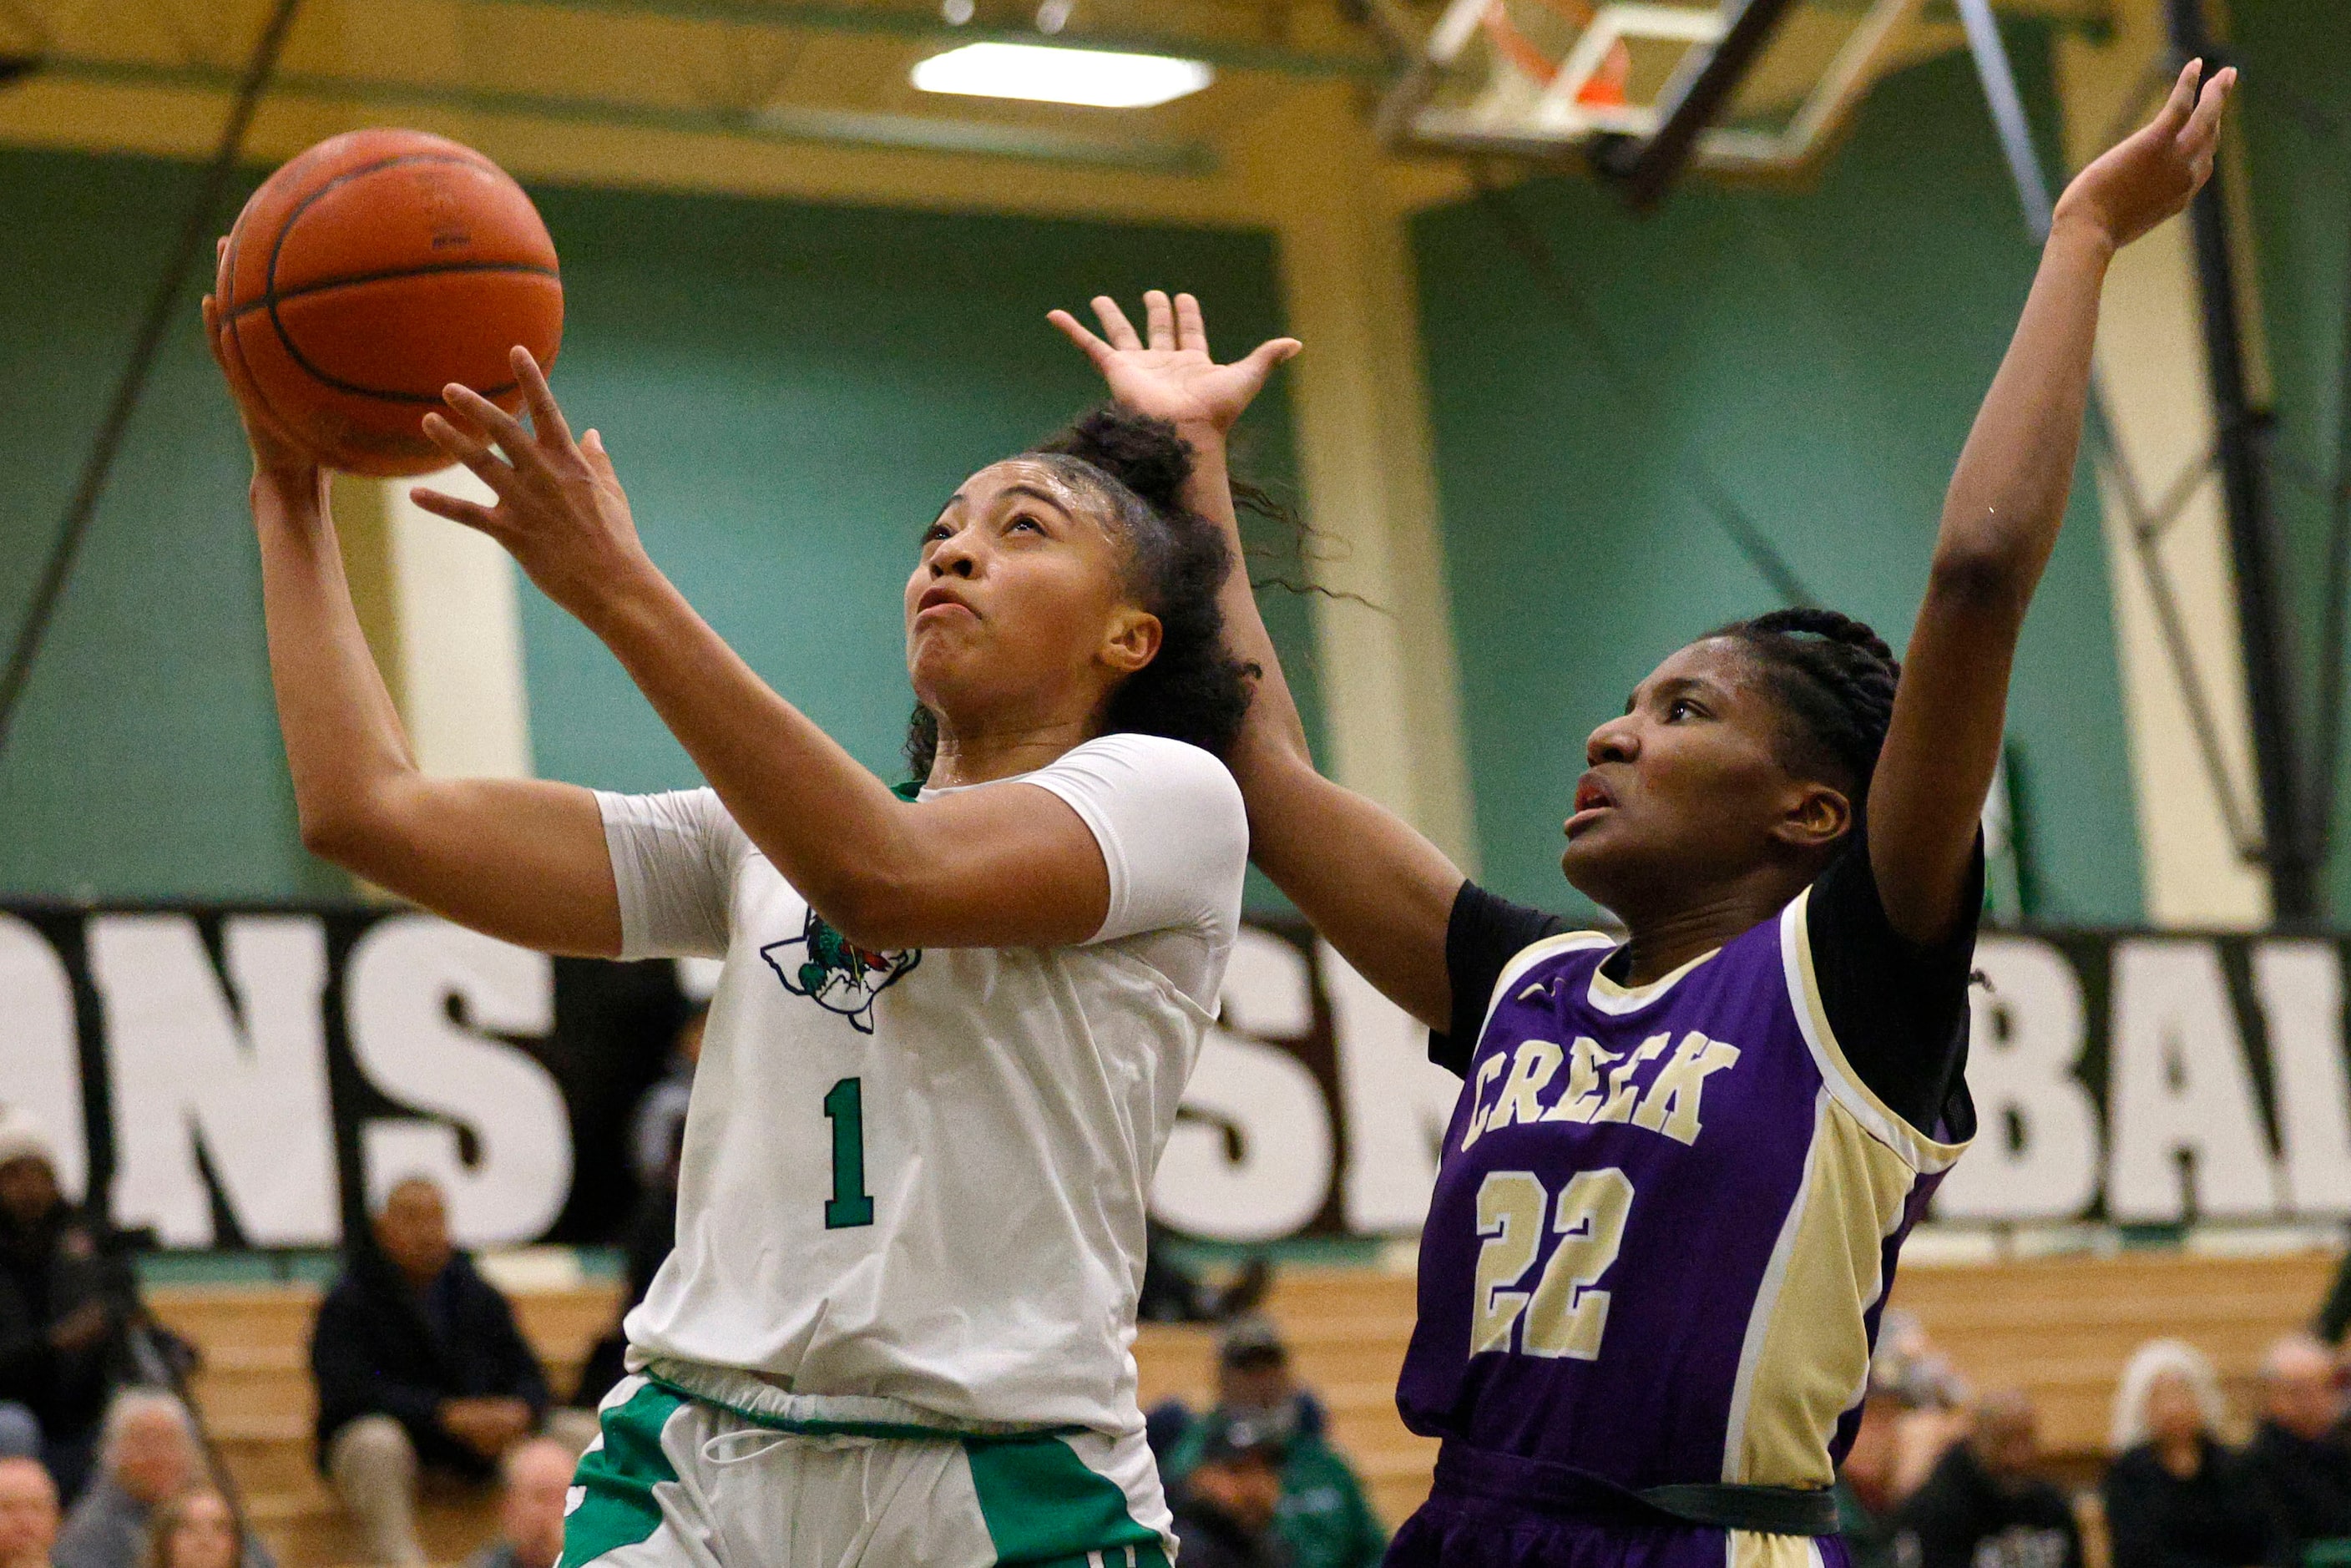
(1675, 1186)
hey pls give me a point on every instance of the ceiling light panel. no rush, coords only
(1097, 78)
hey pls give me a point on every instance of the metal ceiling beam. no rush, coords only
(2257, 545)
(1645, 171)
(895, 133)
(835, 16)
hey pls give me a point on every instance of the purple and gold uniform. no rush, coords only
(1666, 1222)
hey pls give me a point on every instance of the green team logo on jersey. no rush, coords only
(836, 974)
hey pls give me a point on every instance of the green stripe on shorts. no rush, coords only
(617, 1478)
(1044, 1509)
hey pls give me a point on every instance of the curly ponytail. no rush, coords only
(1176, 563)
(1836, 679)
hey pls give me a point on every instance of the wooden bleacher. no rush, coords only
(256, 1396)
(2061, 1328)
(1347, 1328)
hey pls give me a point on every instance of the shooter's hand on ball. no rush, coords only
(1172, 376)
(560, 511)
(2152, 175)
(277, 463)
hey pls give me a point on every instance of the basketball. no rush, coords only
(368, 274)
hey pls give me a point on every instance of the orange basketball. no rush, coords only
(370, 273)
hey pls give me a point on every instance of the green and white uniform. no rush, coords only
(912, 1200)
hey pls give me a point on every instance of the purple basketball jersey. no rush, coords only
(1664, 1224)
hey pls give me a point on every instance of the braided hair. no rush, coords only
(1834, 679)
(1176, 565)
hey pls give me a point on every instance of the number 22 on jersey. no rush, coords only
(1564, 1314)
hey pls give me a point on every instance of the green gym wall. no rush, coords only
(790, 389)
(1822, 353)
(791, 392)
(2297, 121)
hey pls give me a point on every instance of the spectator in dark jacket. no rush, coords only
(2176, 1497)
(1225, 1506)
(418, 1361)
(2298, 1465)
(1323, 1517)
(65, 1303)
(1986, 1504)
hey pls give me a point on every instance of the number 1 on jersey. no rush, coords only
(851, 1205)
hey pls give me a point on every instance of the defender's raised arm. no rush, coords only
(1370, 883)
(2001, 519)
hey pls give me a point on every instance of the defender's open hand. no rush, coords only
(2152, 175)
(1172, 376)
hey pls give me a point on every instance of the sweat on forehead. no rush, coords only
(1095, 489)
(1075, 487)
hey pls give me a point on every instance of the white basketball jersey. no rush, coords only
(913, 1183)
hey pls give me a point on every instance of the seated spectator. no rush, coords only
(1324, 1518)
(197, 1529)
(28, 1513)
(1226, 1505)
(1987, 1505)
(532, 1486)
(1173, 1295)
(63, 1302)
(1869, 1491)
(2175, 1498)
(419, 1363)
(147, 1456)
(1936, 1399)
(2297, 1465)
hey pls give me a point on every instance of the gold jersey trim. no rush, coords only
(1805, 1360)
(1923, 1153)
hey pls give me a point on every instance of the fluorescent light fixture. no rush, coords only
(1045, 74)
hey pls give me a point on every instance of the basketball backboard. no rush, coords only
(1548, 78)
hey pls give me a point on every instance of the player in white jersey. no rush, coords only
(953, 1026)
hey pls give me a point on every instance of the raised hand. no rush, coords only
(560, 510)
(274, 456)
(1172, 376)
(2152, 175)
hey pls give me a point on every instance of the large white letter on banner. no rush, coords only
(404, 974)
(2178, 1084)
(183, 1071)
(1258, 1096)
(40, 1062)
(2301, 987)
(1397, 1101)
(2036, 1149)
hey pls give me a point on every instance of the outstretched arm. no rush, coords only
(1373, 886)
(521, 860)
(2001, 517)
(1014, 867)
